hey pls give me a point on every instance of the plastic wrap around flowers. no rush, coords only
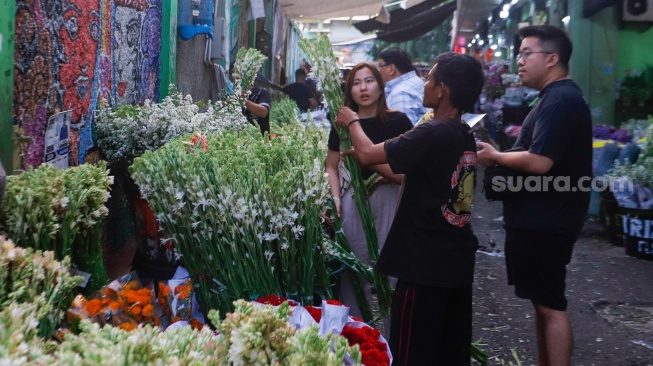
(127, 304)
(333, 317)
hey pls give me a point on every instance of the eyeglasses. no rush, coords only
(382, 66)
(524, 55)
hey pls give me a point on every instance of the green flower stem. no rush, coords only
(321, 54)
(243, 215)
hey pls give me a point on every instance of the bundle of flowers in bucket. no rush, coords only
(243, 211)
(29, 276)
(61, 211)
(632, 185)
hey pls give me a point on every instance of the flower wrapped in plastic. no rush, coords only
(180, 299)
(373, 346)
(334, 317)
(162, 299)
(123, 303)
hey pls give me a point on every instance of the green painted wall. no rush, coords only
(634, 48)
(168, 47)
(8, 16)
(594, 60)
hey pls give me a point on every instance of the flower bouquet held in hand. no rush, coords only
(326, 70)
(248, 62)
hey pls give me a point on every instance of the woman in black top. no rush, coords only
(364, 95)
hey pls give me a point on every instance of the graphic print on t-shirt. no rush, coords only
(457, 212)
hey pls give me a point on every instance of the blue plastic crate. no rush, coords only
(195, 19)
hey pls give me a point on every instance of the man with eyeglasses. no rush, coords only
(542, 226)
(404, 90)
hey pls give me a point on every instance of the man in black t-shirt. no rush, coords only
(257, 108)
(300, 92)
(544, 218)
(431, 247)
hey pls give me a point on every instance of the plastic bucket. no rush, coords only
(638, 232)
(610, 216)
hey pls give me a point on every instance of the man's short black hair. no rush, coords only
(552, 39)
(300, 74)
(463, 75)
(398, 57)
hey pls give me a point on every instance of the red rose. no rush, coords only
(335, 302)
(373, 350)
(316, 313)
(275, 300)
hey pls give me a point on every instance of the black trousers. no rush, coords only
(431, 325)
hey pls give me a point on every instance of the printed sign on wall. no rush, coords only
(56, 140)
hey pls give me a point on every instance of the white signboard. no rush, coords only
(256, 10)
(56, 140)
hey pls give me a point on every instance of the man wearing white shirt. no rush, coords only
(404, 90)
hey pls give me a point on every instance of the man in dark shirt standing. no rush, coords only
(257, 108)
(431, 247)
(300, 92)
(543, 222)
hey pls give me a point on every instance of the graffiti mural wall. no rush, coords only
(80, 54)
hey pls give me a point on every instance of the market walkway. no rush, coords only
(610, 300)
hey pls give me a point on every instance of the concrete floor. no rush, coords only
(610, 299)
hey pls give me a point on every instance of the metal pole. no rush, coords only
(7, 37)
(168, 47)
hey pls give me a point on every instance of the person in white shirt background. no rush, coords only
(404, 89)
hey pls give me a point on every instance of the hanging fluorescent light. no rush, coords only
(494, 47)
(481, 42)
(497, 54)
(506, 7)
(503, 14)
(566, 19)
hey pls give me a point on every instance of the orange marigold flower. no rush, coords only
(195, 324)
(164, 290)
(127, 326)
(183, 291)
(114, 306)
(148, 310)
(93, 307)
(129, 296)
(136, 310)
(132, 285)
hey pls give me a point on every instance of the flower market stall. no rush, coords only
(625, 162)
(249, 217)
(242, 212)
